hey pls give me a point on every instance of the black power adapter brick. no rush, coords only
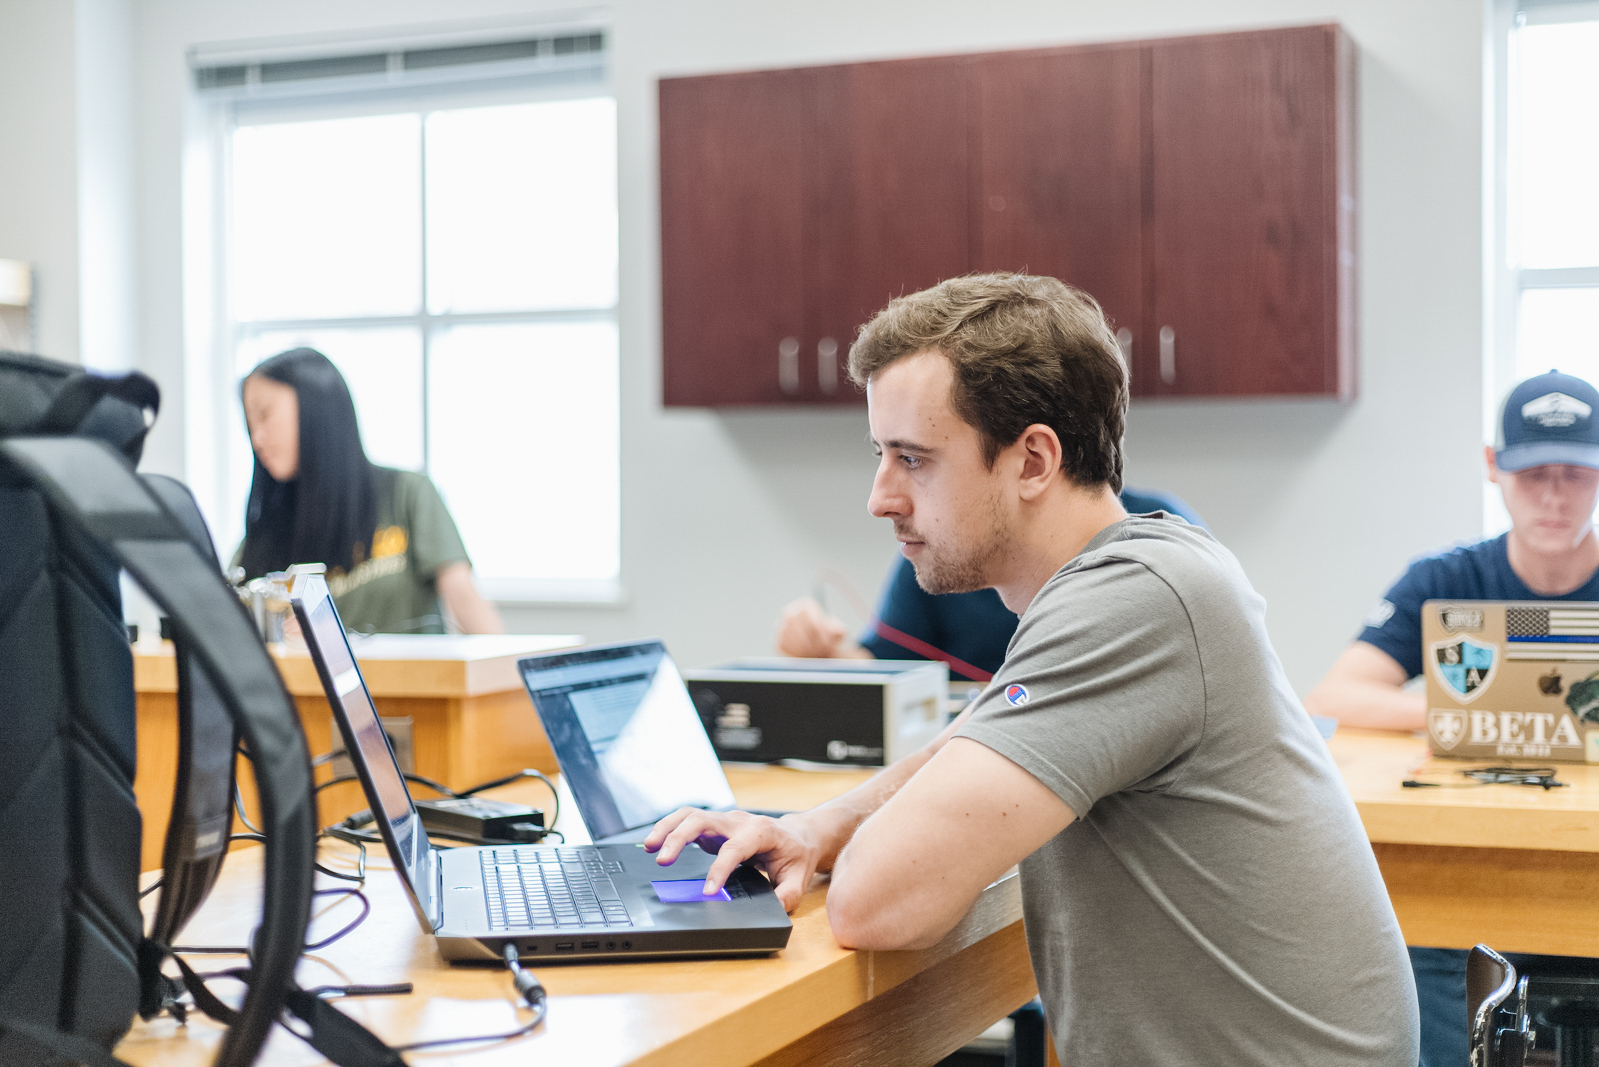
(478, 819)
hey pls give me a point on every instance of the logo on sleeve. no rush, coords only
(1017, 695)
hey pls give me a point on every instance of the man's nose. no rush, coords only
(886, 499)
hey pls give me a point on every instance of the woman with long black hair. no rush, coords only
(390, 546)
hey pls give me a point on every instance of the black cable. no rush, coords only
(366, 909)
(527, 986)
(151, 888)
(359, 876)
(1481, 776)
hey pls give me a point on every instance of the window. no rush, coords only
(1551, 211)
(455, 255)
(1544, 244)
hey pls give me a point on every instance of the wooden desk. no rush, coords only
(1514, 866)
(814, 1002)
(471, 716)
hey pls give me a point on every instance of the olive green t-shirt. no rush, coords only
(394, 590)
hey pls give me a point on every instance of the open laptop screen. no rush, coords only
(364, 739)
(627, 736)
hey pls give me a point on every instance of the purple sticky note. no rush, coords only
(686, 892)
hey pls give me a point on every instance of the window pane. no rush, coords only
(1557, 330)
(1558, 165)
(327, 219)
(522, 207)
(523, 441)
(383, 368)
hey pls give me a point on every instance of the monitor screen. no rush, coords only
(627, 736)
(365, 742)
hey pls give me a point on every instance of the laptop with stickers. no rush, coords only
(1516, 679)
(554, 902)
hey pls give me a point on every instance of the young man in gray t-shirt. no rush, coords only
(1196, 883)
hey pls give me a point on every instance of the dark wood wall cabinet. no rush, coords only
(1201, 188)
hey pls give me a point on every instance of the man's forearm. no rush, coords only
(1368, 704)
(835, 822)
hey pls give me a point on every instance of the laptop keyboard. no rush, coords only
(551, 888)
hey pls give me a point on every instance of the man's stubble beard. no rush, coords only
(965, 569)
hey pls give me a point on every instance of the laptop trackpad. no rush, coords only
(686, 891)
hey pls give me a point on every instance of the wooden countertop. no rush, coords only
(1374, 762)
(394, 665)
(658, 1013)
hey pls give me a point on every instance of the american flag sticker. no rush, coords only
(1552, 633)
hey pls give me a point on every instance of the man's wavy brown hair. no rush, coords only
(1025, 350)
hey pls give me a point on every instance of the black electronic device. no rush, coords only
(482, 820)
(865, 713)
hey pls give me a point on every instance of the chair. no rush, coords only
(1490, 981)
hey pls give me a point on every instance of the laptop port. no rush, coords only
(591, 944)
(627, 945)
(610, 946)
(564, 946)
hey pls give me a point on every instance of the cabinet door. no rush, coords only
(1247, 289)
(1059, 173)
(888, 200)
(732, 236)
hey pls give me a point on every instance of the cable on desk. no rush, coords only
(527, 986)
(1481, 776)
(366, 909)
(360, 842)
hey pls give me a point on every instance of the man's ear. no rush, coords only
(1041, 459)
(1493, 468)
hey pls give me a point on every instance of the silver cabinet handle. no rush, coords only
(788, 365)
(1124, 341)
(1168, 355)
(827, 365)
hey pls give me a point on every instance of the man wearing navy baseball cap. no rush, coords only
(1545, 460)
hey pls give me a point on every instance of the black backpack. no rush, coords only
(75, 962)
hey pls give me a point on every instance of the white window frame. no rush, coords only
(1505, 282)
(214, 335)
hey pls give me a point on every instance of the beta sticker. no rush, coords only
(1017, 695)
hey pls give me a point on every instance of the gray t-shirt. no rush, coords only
(1216, 901)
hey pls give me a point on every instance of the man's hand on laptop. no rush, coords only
(783, 849)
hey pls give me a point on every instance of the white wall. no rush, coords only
(726, 516)
(108, 297)
(38, 163)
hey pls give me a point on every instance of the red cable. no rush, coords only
(922, 648)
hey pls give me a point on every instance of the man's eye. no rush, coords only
(911, 462)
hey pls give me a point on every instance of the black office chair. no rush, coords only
(1499, 1033)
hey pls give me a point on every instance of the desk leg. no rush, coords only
(1514, 900)
(924, 1019)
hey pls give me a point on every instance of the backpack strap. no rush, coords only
(331, 1032)
(89, 483)
(202, 813)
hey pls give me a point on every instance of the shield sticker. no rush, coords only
(1464, 665)
(1447, 727)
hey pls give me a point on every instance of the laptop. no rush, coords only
(630, 742)
(554, 902)
(1512, 678)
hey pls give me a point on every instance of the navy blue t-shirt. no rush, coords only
(974, 628)
(1470, 572)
